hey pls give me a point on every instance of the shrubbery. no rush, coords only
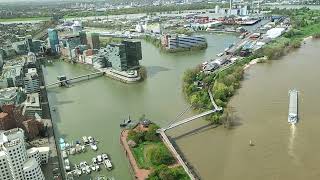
(158, 155)
(162, 172)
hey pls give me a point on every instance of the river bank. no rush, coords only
(260, 114)
(98, 106)
(224, 83)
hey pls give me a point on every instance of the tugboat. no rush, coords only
(125, 122)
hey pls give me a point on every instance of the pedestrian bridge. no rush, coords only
(75, 79)
(172, 125)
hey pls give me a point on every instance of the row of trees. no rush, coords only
(153, 40)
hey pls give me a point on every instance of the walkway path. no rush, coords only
(213, 102)
(140, 174)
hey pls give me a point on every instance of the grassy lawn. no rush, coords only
(139, 153)
(25, 19)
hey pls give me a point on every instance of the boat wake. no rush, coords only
(291, 143)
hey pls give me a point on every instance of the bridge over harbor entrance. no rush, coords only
(64, 81)
(173, 125)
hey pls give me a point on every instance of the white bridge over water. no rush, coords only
(75, 79)
(172, 125)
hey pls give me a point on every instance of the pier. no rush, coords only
(172, 125)
(78, 78)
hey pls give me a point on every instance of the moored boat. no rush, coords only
(94, 146)
(107, 163)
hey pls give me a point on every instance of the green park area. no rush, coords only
(152, 154)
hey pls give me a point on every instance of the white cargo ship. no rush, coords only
(293, 106)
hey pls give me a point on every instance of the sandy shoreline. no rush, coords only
(253, 62)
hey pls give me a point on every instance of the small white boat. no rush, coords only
(94, 146)
(85, 140)
(64, 154)
(93, 168)
(94, 160)
(67, 165)
(97, 167)
(72, 151)
(104, 156)
(88, 171)
(107, 164)
(77, 148)
(251, 143)
(99, 159)
(91, 140)
(220, 54)
(77, 172)
(83, 148)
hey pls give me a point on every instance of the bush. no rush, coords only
(137, 137)
(159, 155)
(151, 134)
(316, 35)
(162, 172)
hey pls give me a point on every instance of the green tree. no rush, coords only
(228, 116)
(137, 137)
(151, 134)
(159, 155)
(220, 91)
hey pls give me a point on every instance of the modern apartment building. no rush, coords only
(183, 41)
(53, 40)
(32, 81)
(11, 96)
(12, 76)
(122, 56)
(116, 55)
(94, 40)
(133, 53)
(16, 163)
(83, 37)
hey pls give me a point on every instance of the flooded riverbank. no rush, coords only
(261, 105)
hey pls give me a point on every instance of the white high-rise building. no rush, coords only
(16, 163)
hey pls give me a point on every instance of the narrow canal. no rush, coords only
(96, 107)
